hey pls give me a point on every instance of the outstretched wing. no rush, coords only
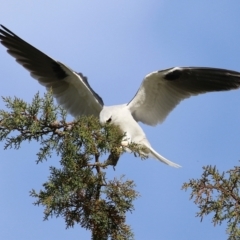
(161, 91)
(71, 89)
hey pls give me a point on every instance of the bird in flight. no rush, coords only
(160, 91)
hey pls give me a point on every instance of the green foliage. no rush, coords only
(218, 194)
(78, 190)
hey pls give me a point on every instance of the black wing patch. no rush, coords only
(35, 61)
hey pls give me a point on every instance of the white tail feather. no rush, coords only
(162, 159)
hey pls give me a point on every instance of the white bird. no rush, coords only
(158, 94)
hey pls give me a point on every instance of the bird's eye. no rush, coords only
(109, 120)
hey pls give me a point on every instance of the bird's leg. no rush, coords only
(124, 143)
(126, 140)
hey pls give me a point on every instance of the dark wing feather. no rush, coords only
(71, 89)
(161, 91)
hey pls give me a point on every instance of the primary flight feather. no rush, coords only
(158, 94)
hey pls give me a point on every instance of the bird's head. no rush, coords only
(106, 115)
(111, 114)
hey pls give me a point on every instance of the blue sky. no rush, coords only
(115, 44)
